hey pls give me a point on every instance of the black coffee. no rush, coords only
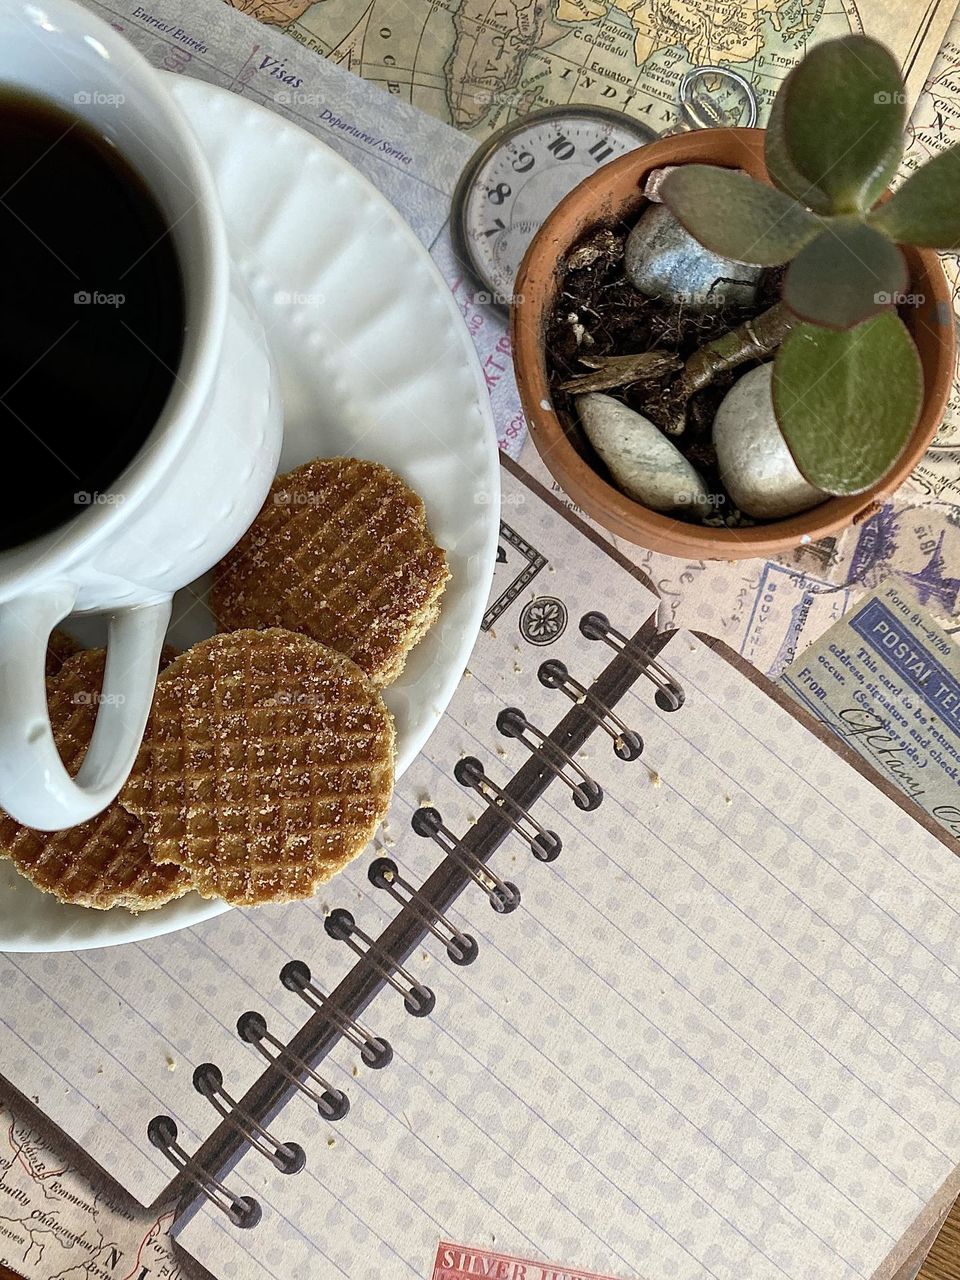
(91, 315)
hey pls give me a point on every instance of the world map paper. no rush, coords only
(477, 64)
(54, 1224)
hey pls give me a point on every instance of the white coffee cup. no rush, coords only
(199, 479)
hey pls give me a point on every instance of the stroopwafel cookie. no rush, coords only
(266, 766)
(102, 863)
(60, 647)
(340, 552)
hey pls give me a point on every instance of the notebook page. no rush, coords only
(104, 1040)
(718, 1038)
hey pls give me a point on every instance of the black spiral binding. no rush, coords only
(460, 947)
(669, 695)
(374, 1050)
(243, 1211)
(504, 896)
(544, 845)
(587, 794)
(417, 998)
(628, 744)
(332, 1103)
(288, 1157)
(292, 1067)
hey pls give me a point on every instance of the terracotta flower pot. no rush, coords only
(612, 198)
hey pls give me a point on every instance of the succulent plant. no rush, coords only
(847, 385)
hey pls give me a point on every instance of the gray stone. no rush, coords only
(642, 461)
(757, 468)
(663, 260)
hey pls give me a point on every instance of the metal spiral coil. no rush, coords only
(288, 1157)
(460, 947)
(243, 1211)
(545, 845)
(504, 896)
(587, 794)
(627, 743)
(670, 694)
(375, 1051)
(332, 1103)
(417, 998)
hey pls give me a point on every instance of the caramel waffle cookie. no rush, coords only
(266, 766)
(102, 863)
(60, 647)
(340, 552)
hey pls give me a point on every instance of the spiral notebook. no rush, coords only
(644, 977)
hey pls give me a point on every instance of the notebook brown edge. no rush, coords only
(907, 1255)
(915, 1242)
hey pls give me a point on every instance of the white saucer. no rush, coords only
(374, 361)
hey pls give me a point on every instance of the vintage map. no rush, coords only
(54, 1225)
(934, 125)
(477, 64)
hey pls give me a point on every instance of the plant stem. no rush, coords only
(619, 371)
(749, 341)
(758, 337)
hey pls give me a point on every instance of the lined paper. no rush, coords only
(717, 1038)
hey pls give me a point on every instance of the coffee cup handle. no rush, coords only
(35, 788)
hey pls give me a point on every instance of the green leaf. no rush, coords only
(736, 216)
(847, 273)
(847, 401)
(838, 125)
(926, 209)
(780, 167)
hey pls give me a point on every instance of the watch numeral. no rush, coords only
(562, 147)
(500, 192)
(601, 151)
(498, 225)
(523, 162)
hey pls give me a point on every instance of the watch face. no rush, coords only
(519, 177)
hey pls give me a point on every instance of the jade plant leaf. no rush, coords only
(836, 130)
(846, 401)
(736, 216)
(849, 272)
(780, 167)
(926, 209)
